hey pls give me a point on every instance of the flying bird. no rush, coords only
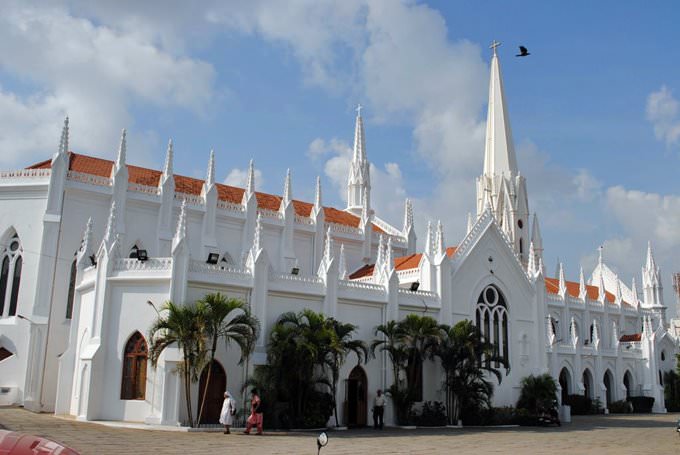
(522, 52)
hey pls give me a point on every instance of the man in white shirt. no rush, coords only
(378, 410)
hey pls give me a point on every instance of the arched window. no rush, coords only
(134, 252)
(134, 368)
(492, 322)
(4, 272)
(71, 289)
(15, 286)
(10, 274)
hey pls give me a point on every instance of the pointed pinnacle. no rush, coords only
(250, 185)
(210, 178)
(122, 150)
(169, 156)
(317, 196)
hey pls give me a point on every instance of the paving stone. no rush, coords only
(624, 434)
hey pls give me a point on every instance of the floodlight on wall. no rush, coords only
(295, 270)
(415, 285)
(142, 255)
(213, 258)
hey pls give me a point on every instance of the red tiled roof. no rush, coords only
(552, 285)
(629, 338)
(189, 185)
(409, 262)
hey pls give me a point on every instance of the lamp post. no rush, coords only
(149, 302)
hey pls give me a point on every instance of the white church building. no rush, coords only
(86, 243)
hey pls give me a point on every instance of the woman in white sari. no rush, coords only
(228, 412)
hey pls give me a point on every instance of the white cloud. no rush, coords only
(662, 112)
(320, 147)
(90, 71)
(647, 215)
(239, 178)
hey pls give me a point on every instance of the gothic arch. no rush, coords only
(588, 384)
(214, 393)
(135, 356)
(566, 382)
(356, 397)
(11, 266)
(610, 392)
(629, 383)
(492, 319)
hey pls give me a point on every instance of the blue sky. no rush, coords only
(594, 109)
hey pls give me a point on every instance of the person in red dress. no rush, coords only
(255, 418)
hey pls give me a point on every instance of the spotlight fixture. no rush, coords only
(93, 260)
(213, 258)
(415, 285)
(295, 270)
(142, 255)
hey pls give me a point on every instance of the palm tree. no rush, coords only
(466, 358)
(390, 341)
(299, 345)
(420, 335)
(341, 344)
(538, 393)
(229, 319)
(181, 325)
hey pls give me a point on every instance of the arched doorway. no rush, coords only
(588, 383)
(565, 383)
(628, 384)
(356, 406)
(608, 381)
(214, 395)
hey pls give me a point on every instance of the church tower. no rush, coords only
(501, 188)
(359, 181)
(651, 286)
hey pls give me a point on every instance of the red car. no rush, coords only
(13, 443)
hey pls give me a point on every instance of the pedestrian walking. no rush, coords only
(378, 410)
(228, 412)
(255, 418)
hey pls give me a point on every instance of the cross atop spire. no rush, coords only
(494, 45)
(358, 109)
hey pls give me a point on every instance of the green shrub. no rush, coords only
(580, 404)
(620, 407)
(538, 393)
(642, 404)
(432, 415)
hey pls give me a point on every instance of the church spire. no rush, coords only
(359, 180)
(250, 185)
(499, 153)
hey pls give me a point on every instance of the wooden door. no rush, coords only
(357, 407)
(214, 397)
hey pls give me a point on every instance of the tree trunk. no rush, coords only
(187, 391)
(207, 379)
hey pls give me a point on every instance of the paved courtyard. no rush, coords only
(629, 434)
